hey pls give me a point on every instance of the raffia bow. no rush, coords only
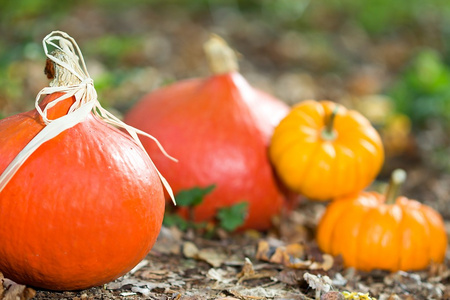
(81, 87)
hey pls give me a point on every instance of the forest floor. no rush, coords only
(251, 265)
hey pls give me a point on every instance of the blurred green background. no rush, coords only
(388, 59)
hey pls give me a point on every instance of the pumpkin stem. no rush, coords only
(49, 69)
(398, 177)
(61, 75)
(221, 58)
(328, 133)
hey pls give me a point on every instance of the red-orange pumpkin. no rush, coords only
(82, 210)
(219, 129)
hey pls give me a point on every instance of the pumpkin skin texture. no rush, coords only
(219, 129)
(370, 234)
(319, 166)
(82, 210)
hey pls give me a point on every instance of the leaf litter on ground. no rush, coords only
(251, 265)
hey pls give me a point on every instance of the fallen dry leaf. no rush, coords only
(328, 262)
(438, 272)
(9, 290)
(249, 273)
(154, 274)
(260, 292)
(247, 269)
(290, 276)
(219, 276)
(295, 250)
(245, 297)
(318, 282)
(212, 257)
(389, 297)
(169, 241)
(192, 297)
(333, 295)
(264, 251)
(190, 250)
(280, 256)
(119, 284)
(292, 256)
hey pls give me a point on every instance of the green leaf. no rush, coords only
(232, 217)
(194, 196)
(175, 220)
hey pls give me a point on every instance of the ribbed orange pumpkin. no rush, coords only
(218, 128)
(370, 233)
(82, 210)
(322, 150)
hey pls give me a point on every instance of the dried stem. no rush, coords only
(221, 58)
(328, 133)
(60, 75)
(398, 177)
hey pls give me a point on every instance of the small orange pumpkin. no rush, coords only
(373, 231)
(322, 150)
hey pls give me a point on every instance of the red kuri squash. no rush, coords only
(85, 207)
(219, 129)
